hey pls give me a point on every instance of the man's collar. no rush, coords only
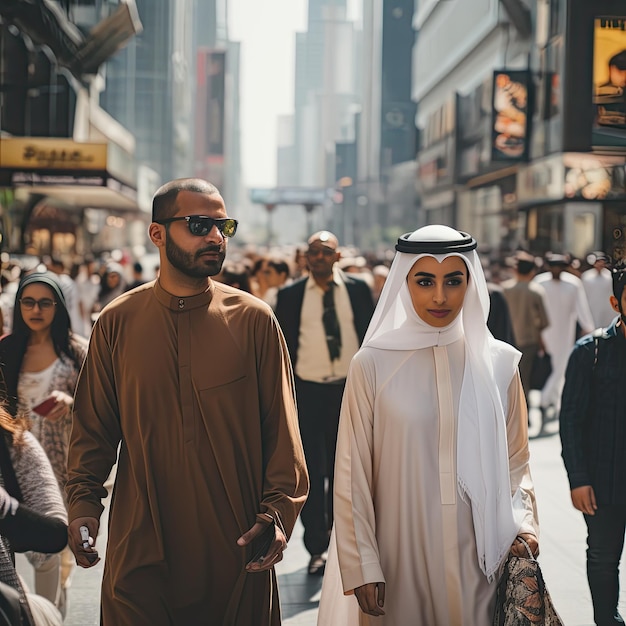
(336, 277)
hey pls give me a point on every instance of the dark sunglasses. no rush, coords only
(327, 252)
(201, 225)
(43, 304)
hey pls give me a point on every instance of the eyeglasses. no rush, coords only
(43, 304)
(201, 225)
(327, 252)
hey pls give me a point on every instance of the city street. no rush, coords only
(562, 557)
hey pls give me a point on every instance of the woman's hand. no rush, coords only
(371, 598)
(62, 406)
(519, 549)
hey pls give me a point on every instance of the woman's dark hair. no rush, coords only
(257, 265)
(236, 275)
(60, 329)
(280, 265)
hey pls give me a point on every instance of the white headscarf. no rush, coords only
(482, 451)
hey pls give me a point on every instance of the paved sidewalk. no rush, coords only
(299, 592)
(562, 557)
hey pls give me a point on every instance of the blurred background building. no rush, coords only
(101, 101)
(505, 118)
(523, 131)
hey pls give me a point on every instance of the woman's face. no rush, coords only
(38, 306)
(438, 289)
(113, 279)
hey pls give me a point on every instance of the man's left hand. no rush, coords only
(274, 553)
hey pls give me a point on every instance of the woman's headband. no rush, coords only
(465, 244)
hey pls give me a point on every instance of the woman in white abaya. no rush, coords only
(432, 483)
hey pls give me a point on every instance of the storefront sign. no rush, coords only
(51, 154)
(510, 115)
(575, 175)
(609, 81)
(589, 177)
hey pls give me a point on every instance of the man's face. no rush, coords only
(196, 257)
(617, 76)
(321, 256)
(619, 306)
(273, 278)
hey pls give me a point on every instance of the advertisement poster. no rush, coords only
(609, 81)
(510, 115)
(210, 115)
(592, 177)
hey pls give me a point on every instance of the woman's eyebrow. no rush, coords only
(457, 273)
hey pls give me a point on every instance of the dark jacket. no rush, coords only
(289, 307)
(593, 415)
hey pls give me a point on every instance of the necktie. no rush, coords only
(331, 323)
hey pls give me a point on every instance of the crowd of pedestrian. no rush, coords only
(357, 391)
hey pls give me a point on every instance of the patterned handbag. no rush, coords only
(521, 597)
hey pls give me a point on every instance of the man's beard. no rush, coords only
(189, 263)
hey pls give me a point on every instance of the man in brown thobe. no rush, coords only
(193, 379)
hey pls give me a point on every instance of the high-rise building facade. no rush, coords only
(177, 89)
(65, 164)
(325, 90)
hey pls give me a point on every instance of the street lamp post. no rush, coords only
(269, 208)
(309, 208)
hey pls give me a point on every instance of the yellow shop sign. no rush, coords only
(44, 153)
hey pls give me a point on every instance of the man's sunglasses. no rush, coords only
(201, 225)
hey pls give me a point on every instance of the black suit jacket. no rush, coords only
(289, 308)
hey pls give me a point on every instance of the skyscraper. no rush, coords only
(324, 90)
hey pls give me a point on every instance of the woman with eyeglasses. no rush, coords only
(40, 361)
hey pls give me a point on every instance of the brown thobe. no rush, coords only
(199, 392)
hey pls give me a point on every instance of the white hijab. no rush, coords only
(482, 451)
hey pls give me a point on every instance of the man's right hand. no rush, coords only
(371, 598)
(85, 557)
(584, 499)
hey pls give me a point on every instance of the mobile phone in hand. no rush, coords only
(43, 408)
(263, 542)
(91, 555)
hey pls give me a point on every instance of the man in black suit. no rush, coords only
(324, 318)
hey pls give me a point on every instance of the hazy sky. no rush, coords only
(266, 30)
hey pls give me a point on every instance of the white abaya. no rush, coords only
(399, 518)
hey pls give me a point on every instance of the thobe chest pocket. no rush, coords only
(212, 378)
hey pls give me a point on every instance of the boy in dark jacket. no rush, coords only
(593, 437)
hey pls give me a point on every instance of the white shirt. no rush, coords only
(313, 363)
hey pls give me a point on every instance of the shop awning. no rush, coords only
(98, 175)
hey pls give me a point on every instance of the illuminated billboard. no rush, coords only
(609, 82)
(510, 115)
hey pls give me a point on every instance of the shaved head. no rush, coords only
(326, 238)
(164, 200)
